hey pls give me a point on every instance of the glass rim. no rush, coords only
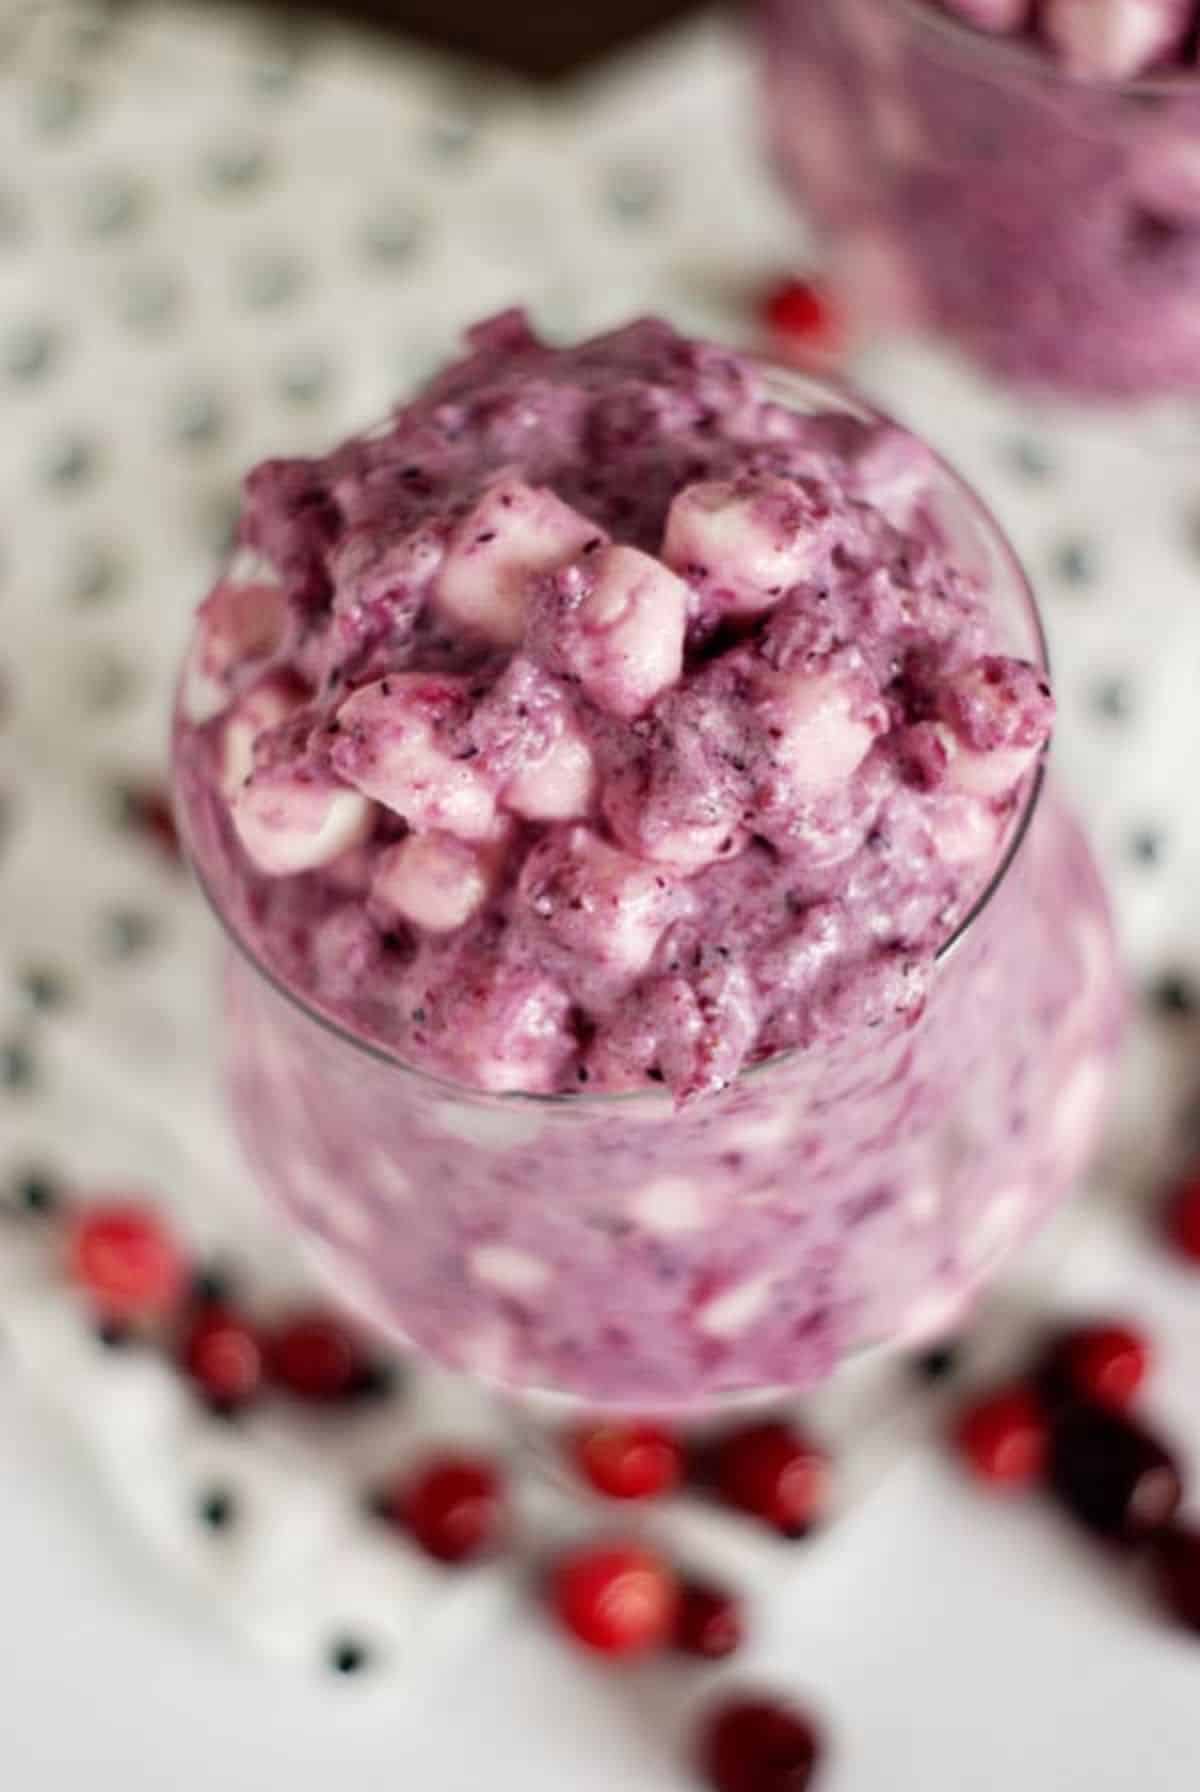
(1024, 56)
(848, 399)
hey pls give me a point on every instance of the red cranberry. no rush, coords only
(1175, 1556)
(315, 1356)
(617, 1599)
(708, 1622)
(454, 1506)
(1003, 1437)
(125, 1259)
(1113, 1476)
(801, 315)
(1183, 1218)
(1106, 1364)
(773, 1473)
(628, 1461)
(758, 1745)
(222, 1353)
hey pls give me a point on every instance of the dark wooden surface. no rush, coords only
(538, 37)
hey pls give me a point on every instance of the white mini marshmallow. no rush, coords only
(626, 645)
(388, 751)
(729, 1313)
(289, 824)
(741, 541)
(557, 787)
(236, 622)
(1112, 40)
(765, 1132)
(514, 1272)
(513, 533)
(668, 1207)
(529, 1055)
(271, 701)
(820, 738)
(489, 1129)
(436, 881)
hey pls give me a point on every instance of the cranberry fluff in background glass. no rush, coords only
(1024, 180)
(657, 977)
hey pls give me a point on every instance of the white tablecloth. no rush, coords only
(216, 243)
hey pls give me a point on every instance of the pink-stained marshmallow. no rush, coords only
(512, 534)
(559, 785)
(593, 898)
(625, 640)
(822, 724)
(997, 713)
(509, 1030)
(749, 541)
(436, 881)
(236, 624)
(683, 824)
(990, 774)
(391, 746)
(264, 706)
(297, 821)
(965, 829)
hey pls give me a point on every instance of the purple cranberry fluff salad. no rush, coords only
(1023, 178)
(603, 725)
(602, 722)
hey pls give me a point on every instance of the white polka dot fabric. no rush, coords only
(217, 242)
